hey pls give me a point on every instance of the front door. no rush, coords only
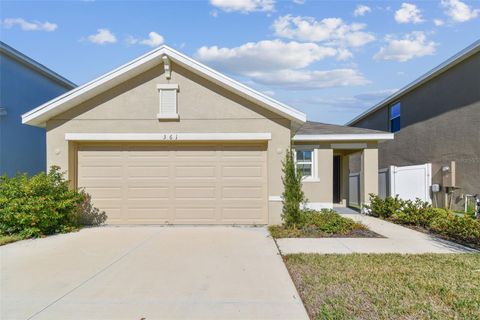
(336, 179)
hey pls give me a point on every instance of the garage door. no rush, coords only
(177, 184)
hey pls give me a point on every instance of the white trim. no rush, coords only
(275, 198)
(39, 115)
(319, 205)
(167, 86)
(169, 136)
(343, 137)
(174, 116)
(347, 146)
(453, 61)
(314, 162)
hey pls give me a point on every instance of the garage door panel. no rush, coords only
(206, 192)
(209, 184)
(242, 193)
(149, 193)
(184, 171)
(244, 213)
(158, 171)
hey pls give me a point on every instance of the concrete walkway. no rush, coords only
(148, 273)
(397, 239)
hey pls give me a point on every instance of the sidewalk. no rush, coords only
(397, 239)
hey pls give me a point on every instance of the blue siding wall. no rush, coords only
(22, 147)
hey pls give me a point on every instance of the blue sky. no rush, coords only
(330, 59)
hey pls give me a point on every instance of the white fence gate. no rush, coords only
(411, 182)
(408, 182)
(354, 189)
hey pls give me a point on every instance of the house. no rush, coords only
(24, 84)
(435, 120)
(164, 139)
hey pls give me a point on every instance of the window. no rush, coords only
(304, 162)
(395, 117)
(168, 101)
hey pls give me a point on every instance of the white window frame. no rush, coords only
(314, 177)
(163, 87)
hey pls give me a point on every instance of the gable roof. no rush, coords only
(317, 131)
(446, 65)
(35, 66)
(39, 115)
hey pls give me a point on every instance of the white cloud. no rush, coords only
(299, 1)
(266, 55)
(344, 54)
(459, 11)
(438, 22)
(153, 40)
(361, 10)
(411, 45)
(408, 13)
(244, 6)
(102, 36)
(29, 25)
(310, 79)
(281, 64)
(332, 30)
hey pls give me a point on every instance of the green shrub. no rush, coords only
(329, 221)
(43, 204)
(87, 214)
(293, 196)
(383, 208)
(462, 228)
(323, 223)
(418, 213)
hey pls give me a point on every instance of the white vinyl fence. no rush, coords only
(408, 182)
(411, 182)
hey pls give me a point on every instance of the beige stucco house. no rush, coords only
(165, 139)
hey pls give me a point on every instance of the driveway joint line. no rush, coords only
(142, 243)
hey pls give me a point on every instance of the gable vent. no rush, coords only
(168, 101)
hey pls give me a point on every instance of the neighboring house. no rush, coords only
(24, 84)
(165, 139)
(436, 119)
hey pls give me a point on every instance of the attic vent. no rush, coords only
(168, 101)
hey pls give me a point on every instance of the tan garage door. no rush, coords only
(178, 184)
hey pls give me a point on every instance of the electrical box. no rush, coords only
(436, 187)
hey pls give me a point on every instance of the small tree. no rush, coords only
(293, 196)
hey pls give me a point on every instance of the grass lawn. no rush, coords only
(8, 239)
(388, 286)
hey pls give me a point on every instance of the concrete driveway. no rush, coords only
(148, 273)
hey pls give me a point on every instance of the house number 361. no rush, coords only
(170, 136)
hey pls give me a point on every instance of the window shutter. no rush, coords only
(168, 102)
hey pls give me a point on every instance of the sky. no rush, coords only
(330, 59)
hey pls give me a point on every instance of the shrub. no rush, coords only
(383, 208)
(462, 228)
(293, 196)
(87, 214)
(329, 221)
(418, 213)
(42, 204)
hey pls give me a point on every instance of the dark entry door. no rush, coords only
(336, 179)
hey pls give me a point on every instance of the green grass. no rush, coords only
(388, 286)
(8, 239)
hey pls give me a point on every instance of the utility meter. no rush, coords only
(435, 187)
